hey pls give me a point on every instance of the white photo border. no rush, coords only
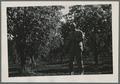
(101, 78)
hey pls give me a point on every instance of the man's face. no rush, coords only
(70, 18)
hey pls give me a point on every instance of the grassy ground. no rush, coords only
(62, 69)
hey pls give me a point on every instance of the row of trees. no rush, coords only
(96, 22)
(33, 32)
(37, 33)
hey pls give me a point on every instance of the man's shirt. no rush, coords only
(72, 41)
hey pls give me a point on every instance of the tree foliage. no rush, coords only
(95, 21)
(36, 33)
(29, 28)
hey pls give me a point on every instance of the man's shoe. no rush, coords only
(72, 73)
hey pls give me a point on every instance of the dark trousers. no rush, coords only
(75, 57)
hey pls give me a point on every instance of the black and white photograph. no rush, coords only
(59, 40)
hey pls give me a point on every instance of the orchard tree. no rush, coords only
(29, 28)
(95, 22)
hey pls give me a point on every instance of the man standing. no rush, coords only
(74, 48)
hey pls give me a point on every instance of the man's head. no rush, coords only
(70, 17)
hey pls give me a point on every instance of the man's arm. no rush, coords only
(81, 45)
